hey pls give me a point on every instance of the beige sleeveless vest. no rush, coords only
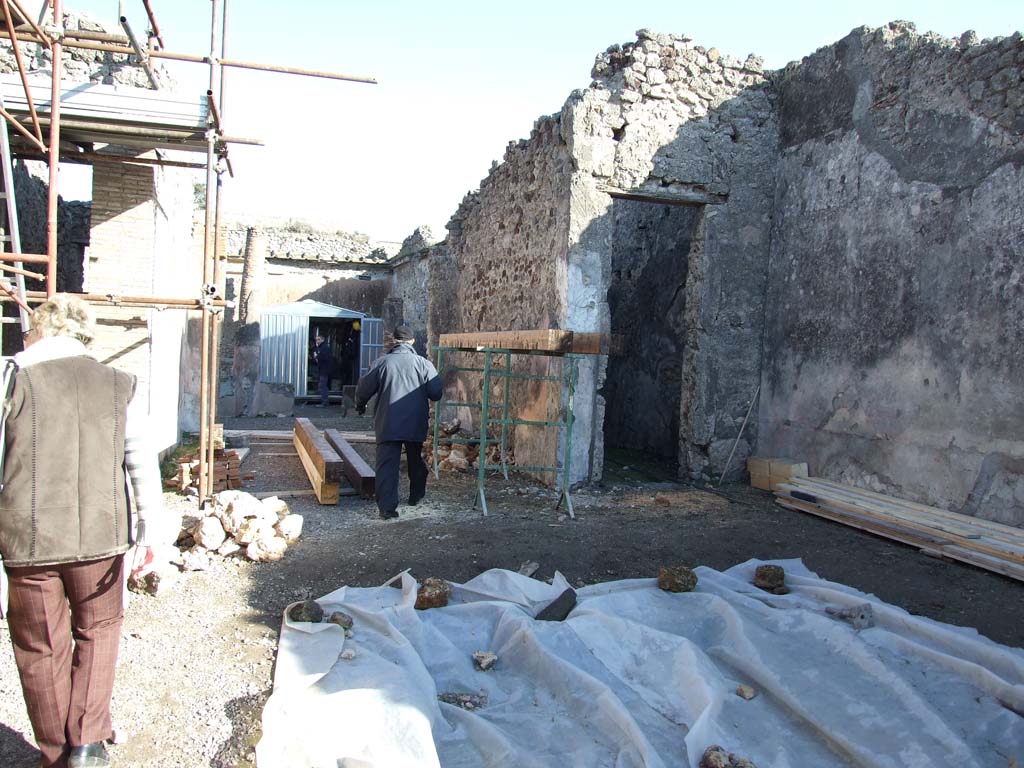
(64, 497)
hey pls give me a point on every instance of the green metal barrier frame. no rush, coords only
(567, 378)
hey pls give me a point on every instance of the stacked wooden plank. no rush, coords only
(768, 473)
(552, 341)
(986, 544)
(227, 472)
(322, 463)
(279, 435)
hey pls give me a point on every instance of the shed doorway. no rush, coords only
(344, 336)
(650, 250)
(288, 338)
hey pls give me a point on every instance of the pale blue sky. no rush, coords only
(457, 81)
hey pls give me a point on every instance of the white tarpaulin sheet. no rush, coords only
(640, 677)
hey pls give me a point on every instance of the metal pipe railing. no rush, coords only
(54, 152)
(140, 53)
(24, 79)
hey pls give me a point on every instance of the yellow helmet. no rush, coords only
(355, 325)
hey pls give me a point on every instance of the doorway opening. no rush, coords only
(650, 249)
(343, 336)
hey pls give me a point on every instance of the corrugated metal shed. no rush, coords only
(284, 340)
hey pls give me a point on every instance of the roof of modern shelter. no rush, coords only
(114, 114)
(311, 308)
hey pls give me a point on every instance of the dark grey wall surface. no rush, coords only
(646, 299)
(894, 344)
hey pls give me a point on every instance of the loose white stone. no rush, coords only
(209, 533)
(290, 527)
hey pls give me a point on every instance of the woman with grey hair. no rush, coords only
(66, 523)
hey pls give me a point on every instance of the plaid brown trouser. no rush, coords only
(67, 689)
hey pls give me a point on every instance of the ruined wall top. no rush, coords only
(303, 243)
(917, 99)
(83, 65)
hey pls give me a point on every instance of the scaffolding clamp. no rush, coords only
(208, 295)
(54, 31)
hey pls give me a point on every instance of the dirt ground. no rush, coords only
(197, 661)
(624, 528)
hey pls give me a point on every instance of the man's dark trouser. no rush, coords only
(389, 460)
(323, 389)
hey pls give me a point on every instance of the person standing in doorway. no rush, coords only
(404, 383)
(324, 364)
(75, 437)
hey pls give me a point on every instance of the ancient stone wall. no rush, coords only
(668, 122)
(896, 295)
(410, 288)
(300, 242)
(507, 245)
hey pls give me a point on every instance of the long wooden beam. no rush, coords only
(359, 473)
(552, 341)
(326, 492)
(328, 463)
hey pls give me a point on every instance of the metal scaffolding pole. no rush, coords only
(567, 379)
(54, 152)
(217, 317)
(206, 457)
(209, 302)
(126, 50)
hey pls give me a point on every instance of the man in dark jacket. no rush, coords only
(403, 383)
(324, 364)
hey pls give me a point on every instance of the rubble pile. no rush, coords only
(237, 523)
(463, 455)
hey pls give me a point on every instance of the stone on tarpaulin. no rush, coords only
(745, 692)
(676, 578)
(433, 593)
(559, 608)
(342, 619)
(859, 616)
(771, 578)
(484, 660)
(469, 701)
(717, 757)
(307, 610)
